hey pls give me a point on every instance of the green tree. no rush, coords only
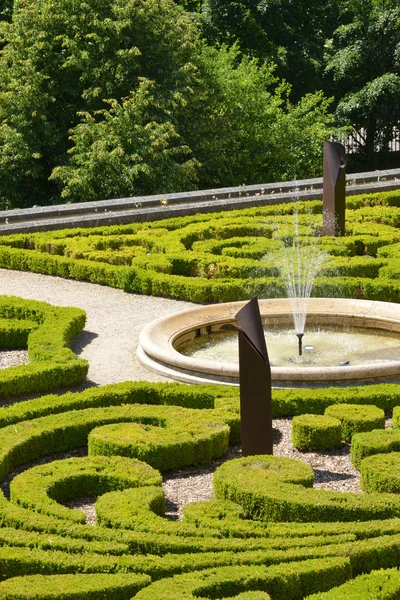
(237, 126)
(290, 34)
(247, 130)
(61, 58)
(364, 59)
(133, 149)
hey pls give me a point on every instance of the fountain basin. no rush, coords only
(160, 339)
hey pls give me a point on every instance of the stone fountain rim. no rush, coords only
(156, 343)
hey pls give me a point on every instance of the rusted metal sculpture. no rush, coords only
(334, 189)
(255, 382)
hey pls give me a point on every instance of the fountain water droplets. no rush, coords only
(299, 264)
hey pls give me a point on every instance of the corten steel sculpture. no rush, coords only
(255, 382)
(334, 189)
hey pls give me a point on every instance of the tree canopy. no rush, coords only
(62, 59)
(108, 98)
(290, 34)
(364, 58)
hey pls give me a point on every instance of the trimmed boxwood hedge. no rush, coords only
(14, 333)
(46, 331)
(132, 535)
(378, 585)
(44, 487)
(287, 582)
(356, 418)
(311, 433)
(73, 587)
(381, 473)
(273, 488)
(166, 444)
(223, 256)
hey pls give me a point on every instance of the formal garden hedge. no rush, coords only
(45, 331)
(224, 256)
(316, 432)
(266, 533)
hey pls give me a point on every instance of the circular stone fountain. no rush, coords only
(160, 340)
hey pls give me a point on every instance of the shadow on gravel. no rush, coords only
(82, 340)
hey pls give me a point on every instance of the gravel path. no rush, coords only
(114, 321)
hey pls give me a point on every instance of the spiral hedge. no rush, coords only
(266, 533)
(224, 256)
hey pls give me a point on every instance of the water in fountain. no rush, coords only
(299, 264)
(327, 346)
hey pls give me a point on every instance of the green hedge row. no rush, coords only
(290, 402)
(215, 258)
(288, 582)
(378, 585)
(129, 392)
(221, 514)
(224, 400)
(46, 331)
(45, 488)
(23, 538)
(273, 488)
(71, 587)
(200, 289)
(285, 402)
(15, 333)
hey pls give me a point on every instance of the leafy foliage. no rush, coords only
(61, 59)
(364, 59)
(122, 98)
(290, 34)
(238, 126)
(130, 149)
(246, 128)
(6, 8)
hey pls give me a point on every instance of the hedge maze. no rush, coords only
(224, 256)
(266, 533)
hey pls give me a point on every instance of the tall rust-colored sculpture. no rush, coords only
(255, 382)
(334, 189)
